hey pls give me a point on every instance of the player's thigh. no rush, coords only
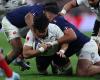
(83, 67)
(88, 55)
(42, 62)
(90, 52)
(10, 30)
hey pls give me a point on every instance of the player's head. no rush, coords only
(51, 9)
(93, 3)
(40, 26)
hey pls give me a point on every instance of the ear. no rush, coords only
(29, 19)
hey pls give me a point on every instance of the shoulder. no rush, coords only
(30, 34)
(52, 26)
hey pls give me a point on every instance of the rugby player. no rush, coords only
(12, 23)
(41, 33)
(86, 48)
(94, 6)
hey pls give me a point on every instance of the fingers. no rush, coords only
(61, 53)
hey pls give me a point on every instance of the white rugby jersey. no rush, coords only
(97, 10)
(54, 33)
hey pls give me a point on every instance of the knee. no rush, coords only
(80, 73)
(83, 72)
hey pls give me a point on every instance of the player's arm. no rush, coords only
(68, 6)
(29, 49)
(29, 19)
(29, 52)
(69, 35)
(61, 52)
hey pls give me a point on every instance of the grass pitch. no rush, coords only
(32, 74)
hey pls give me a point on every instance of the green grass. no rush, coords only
(32, 74)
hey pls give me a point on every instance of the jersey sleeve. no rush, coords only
(58, 32)
(37, 10)
(29, 39)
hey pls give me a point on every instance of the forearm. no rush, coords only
(68, 6)
(64, 47)
(30, 53)
(29, 19)
(69, 36)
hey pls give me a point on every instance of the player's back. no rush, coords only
(16, 17)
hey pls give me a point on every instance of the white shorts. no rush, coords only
(90, 52)
(10, 30)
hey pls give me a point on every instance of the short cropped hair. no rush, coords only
(51, 7)
(40, 22)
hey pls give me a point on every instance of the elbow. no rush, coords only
(70, 34)
(74, 37)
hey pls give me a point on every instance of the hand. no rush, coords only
(45, 46)
(51, 44)
(61, 53)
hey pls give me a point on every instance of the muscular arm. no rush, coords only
(29, 19)
(68, 6)
(69, 35)
(29, 52)
(64, 46)
(61, 52)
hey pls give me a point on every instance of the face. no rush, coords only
(93, 3)
(39, 34)
(49, 15)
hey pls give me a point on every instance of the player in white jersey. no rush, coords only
(37, 41)
(94, 5)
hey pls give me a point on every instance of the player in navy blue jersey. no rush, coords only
(12, 23)
(86, 48)
(94, 6)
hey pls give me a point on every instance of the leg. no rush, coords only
(42, 63)
(87, 59)
(13, 36)
(63, 65)
(17, 49)
(87, 68)
(16, 54)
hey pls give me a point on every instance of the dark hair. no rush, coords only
(51, 7)
(40, 22)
